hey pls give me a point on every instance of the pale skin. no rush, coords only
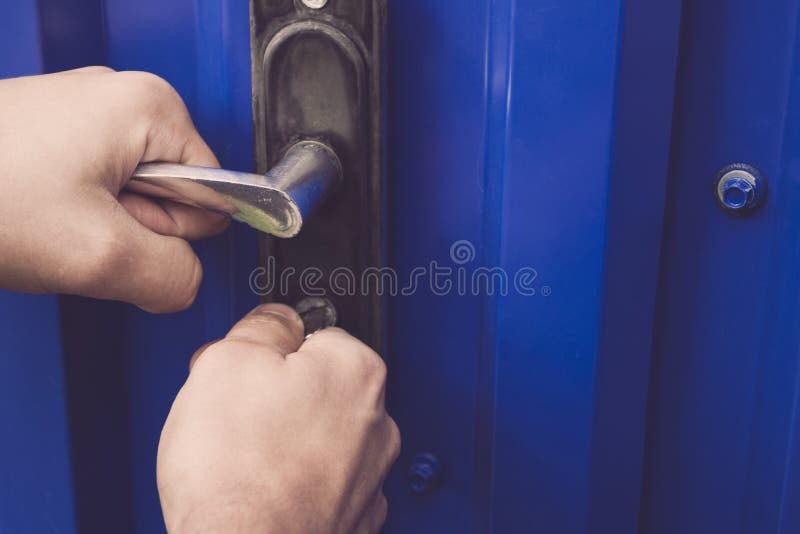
(270, 432)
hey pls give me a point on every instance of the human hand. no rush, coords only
(68, 144)
(274, 434)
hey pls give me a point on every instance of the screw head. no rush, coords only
(737, 193)
(424, 473)
(317, 314)
(739, 188)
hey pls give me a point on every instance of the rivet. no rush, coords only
(424, 473)
(739, 188)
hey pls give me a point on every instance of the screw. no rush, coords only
(737, 193)
(425, 473)
(317, 314)
(315, 4)
(739, 188)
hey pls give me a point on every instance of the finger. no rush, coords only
(173, 138)
(196, 151)
(273, 326)
(122, 260)
(394, 444)
(172, 218)
(159, 125)
(374, 517)
(171, 134)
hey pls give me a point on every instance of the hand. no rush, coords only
(273, 434)
(68, 144)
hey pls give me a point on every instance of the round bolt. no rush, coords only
(317, 314)
(737, 193)
(739, 188)
(425, 473)
(315, 4)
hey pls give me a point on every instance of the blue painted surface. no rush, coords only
(441, 64)
(724, 366)
(35, 469)
(648, 58)
(651, 384)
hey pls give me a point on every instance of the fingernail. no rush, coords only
(280, 310)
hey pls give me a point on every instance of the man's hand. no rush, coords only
(273, 434)
(68, 144)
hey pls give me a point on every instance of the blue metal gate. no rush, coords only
(637, 373)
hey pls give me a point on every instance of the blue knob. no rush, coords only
(739, 188)
(425, 473)
(738, 193)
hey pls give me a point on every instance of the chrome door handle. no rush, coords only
(276, 203)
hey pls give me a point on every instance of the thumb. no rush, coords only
(271, 329)
(274, 327)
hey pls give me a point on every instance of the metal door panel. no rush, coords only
(637, 185)
(35, 474)
(651, 382)
(436, 132)
(707, 462)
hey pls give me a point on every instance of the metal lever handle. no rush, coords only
(276, 204)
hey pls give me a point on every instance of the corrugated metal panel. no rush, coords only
(651, 382)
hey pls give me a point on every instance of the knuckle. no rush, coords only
(99, 69)
(382, 512)
(366, 368)
(198, 353)
(357, 363)
(152, 91)
(91, 69)
(92, 269)
(169, 289)
(105, 257)
(151, 84)
(188, 292)
(372, 366)
(395, 441)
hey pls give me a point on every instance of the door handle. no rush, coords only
(276, 203)
(317, 104)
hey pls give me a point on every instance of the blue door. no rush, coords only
(596, 325)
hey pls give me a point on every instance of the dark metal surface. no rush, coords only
(316, 76)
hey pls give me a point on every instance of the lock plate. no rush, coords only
(317, 75)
